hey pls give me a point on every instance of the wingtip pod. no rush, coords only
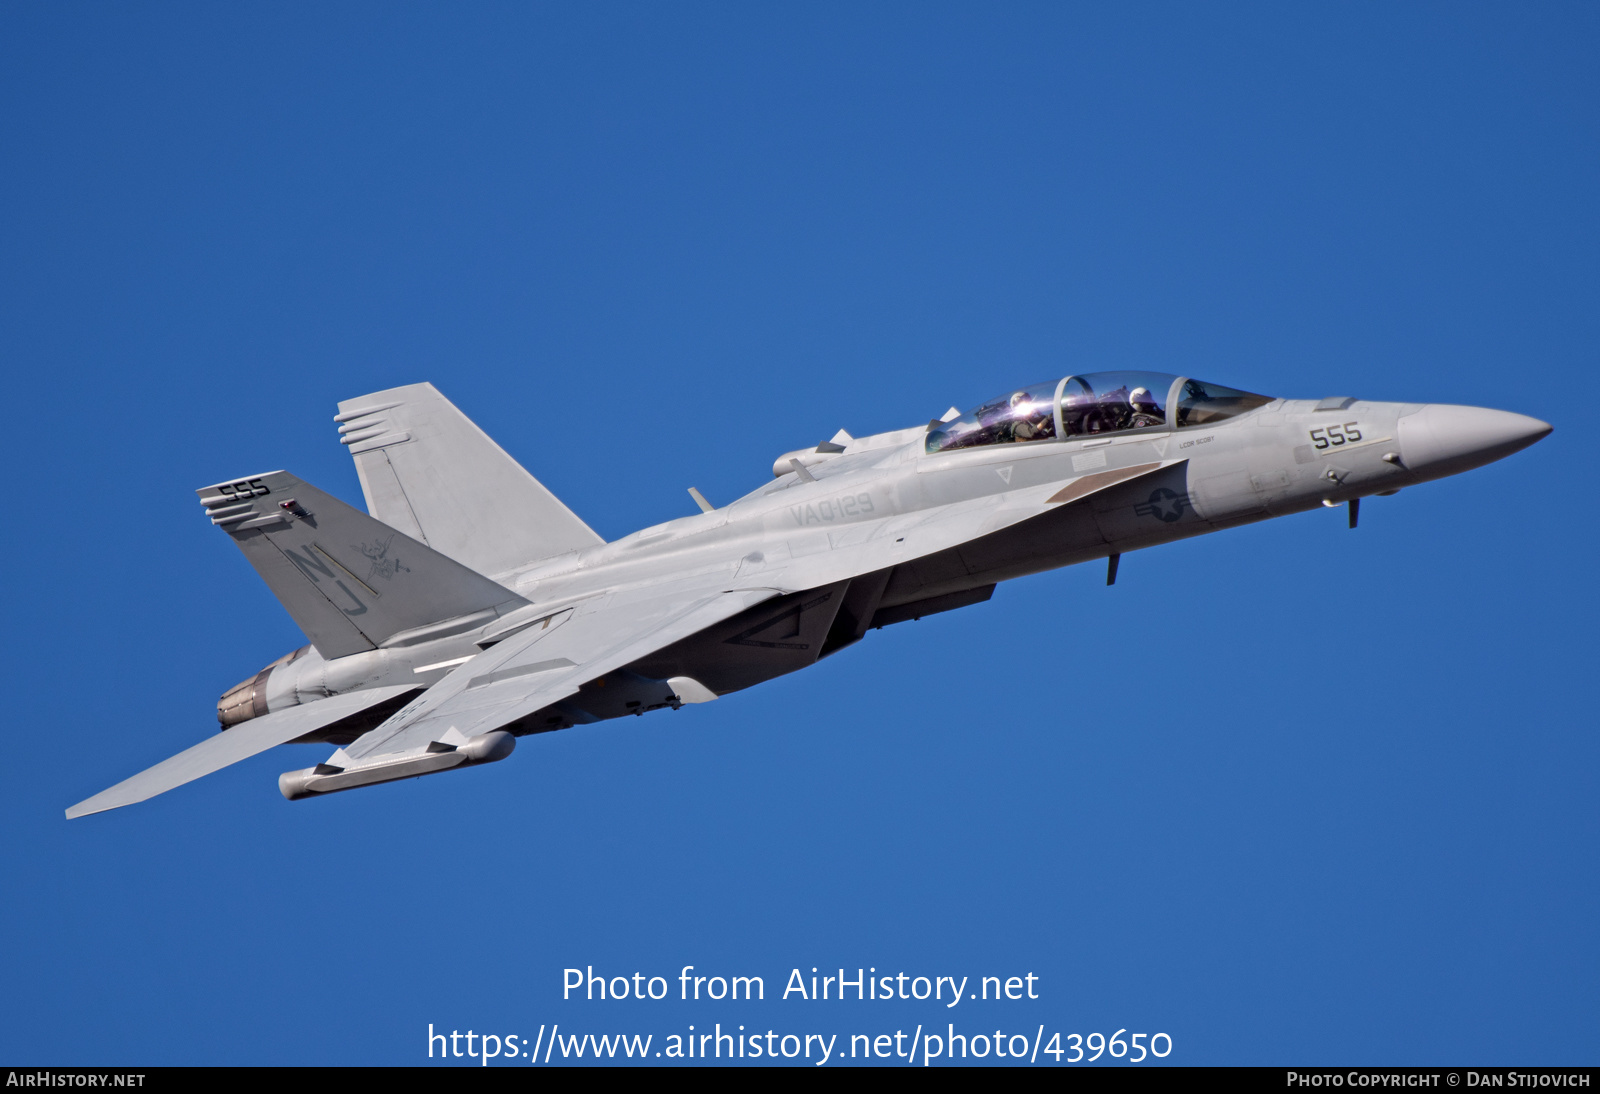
(325, 779)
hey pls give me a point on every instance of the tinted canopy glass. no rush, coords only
(1090, 405)
(1099, 402)
(1111, 402)
(1203, 403)
(1021, 414)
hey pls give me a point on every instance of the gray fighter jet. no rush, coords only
(469, 607)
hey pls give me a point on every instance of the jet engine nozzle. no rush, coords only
(243, 701)
(1441, 439)
(248, 699)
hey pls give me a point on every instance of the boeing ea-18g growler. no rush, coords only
(468, 607)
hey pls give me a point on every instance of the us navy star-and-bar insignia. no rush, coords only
(1164, 504)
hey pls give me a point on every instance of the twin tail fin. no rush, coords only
(350, 581)
(428, 471)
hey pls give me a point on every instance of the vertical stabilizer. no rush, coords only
(351, 582)
(427, 470)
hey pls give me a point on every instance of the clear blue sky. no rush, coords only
(1290, 794)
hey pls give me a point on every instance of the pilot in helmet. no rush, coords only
(1022, 428)
(1145, 410)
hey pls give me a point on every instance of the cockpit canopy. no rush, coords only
(1089, 405)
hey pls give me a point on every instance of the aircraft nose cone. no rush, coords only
(1441, 439)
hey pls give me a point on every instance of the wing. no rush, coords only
(543, 665)
(233, 745)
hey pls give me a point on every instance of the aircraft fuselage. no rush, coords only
(938, 530)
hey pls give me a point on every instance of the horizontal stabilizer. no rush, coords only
(351, 582)
(231, 746)
(427, 470)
